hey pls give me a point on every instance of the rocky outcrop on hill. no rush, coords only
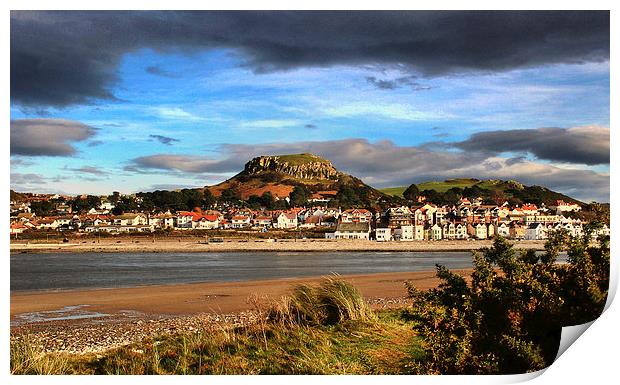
(302, 166)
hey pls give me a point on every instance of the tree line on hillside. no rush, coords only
(514, 196)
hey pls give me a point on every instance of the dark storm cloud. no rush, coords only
(164, 139)
(47, 137)
(586, 145)
(60, 58)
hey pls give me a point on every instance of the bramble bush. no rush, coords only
(508, 317)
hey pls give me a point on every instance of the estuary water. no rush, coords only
(56, 271)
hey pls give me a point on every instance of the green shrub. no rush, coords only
(508, 319)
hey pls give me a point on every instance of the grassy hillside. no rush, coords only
(394, 191)
(434, 185)
(488, 189)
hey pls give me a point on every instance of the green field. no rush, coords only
(394, 191)
(438, 186)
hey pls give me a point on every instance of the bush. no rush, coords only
(508, 319)
(332, 302)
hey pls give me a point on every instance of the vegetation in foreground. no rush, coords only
(328, 329)
(505, 318)
(508, 318)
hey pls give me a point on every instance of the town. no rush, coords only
(465, 220)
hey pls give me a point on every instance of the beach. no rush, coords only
(210, 297)
(200, 244)
(94, 320)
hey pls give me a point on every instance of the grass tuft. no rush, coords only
(29, 358)
(330, 303)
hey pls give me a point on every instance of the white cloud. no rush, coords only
(270, 123)
(176, 113)
(383, 110)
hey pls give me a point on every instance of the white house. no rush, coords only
(535, 231)
(491, 230)
(478, 231)
(206, 222)
(162, 221)
(404, 233)
(449, 231)
(460, 231)
(263, 221)
(355, 216)
(240, 221)
(184, 220)
(130, 219)
(503, 230)
(383, 234)
(286, 221)
(418, 232)
(48, 224)
(347, 230)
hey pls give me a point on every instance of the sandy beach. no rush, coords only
(212, 297)
(196, 244)
(115, 317)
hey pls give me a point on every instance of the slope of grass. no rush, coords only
(447, 185)
(394, 191)
(433, 185)
(510, 189)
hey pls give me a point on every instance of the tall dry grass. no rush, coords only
(331, 302)
(28, 358)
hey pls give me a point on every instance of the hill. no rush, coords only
(280, 174)
(490, 190)
(17, 197)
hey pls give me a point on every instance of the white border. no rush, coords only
(591, 359)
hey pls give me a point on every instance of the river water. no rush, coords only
(53, 271)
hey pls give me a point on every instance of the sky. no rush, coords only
(106, 101)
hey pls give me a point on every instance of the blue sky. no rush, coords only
(203, 113)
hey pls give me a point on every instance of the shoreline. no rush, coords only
(94, 320)
(198, 245)
(102, 319)
(221, 297)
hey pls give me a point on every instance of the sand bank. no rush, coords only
(212, 297)
(187, 245)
